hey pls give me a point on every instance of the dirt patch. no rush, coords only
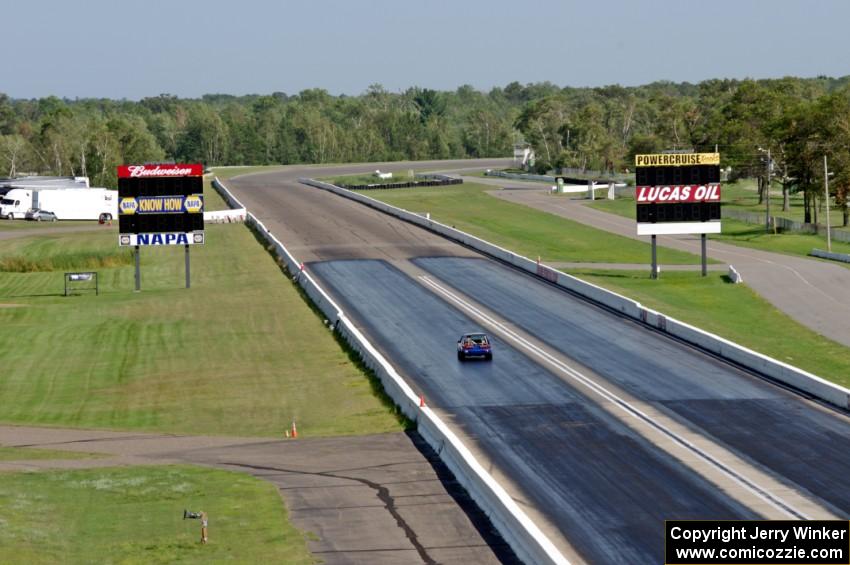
(12, 305)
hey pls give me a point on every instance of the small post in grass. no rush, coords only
(188, 277)
(654, 273)
(138, 271)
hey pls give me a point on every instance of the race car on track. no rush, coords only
(474, 345)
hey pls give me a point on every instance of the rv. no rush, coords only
(66, 203)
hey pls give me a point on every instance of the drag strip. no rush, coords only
(803, 444)
(537, 430)
(598, 484)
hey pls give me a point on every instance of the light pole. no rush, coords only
(826, 174)
(767, 192)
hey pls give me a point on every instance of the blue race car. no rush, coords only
(474, 345)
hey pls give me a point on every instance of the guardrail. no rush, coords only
(429, 179)
(843, 257)
(723, 348)
(525, 538)
(571, 176)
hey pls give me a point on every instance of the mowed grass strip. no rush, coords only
(524, 230)
(240, 353)
(18, 225)
(731, 311)
(32, 454)
(135, 515)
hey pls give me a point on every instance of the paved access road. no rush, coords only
(813, 292)
(598, 427)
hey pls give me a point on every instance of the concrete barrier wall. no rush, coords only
(747, 358)
(234, 216)
(767, 366)
(524, 537)
(734, 275)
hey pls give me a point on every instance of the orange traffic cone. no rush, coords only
(421, 401)
(294, 431)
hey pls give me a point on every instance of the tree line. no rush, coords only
(799, 120)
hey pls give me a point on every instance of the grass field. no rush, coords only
(135, 515)
(238, 354)
(524, 230)
(732, 311)
(25, 453)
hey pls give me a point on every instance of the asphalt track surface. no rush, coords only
(811, 291)
(601, 487)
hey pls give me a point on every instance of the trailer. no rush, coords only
(66, 203)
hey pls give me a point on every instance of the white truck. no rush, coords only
(66, 203)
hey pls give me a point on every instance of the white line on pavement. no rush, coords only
(633, 411)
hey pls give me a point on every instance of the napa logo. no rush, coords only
(162, 239)
(194, 203)
(128, 206)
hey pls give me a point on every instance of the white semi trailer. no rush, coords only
(66, 203)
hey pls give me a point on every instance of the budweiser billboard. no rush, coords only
(160, 170)
(164, 201)
(681, 193)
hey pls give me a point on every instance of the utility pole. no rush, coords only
(826, 199)
(767, 193)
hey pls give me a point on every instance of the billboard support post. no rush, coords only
(138, 271)
(654, 274)
(188, 277)
(678, 193)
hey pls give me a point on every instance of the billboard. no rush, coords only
(677, 193)
(160, 204)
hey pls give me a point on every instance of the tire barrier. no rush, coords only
(765, 366)
(529, 543)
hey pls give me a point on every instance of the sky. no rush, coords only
(121, 49)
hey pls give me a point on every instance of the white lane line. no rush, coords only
(633, 411)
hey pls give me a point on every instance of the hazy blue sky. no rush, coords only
(118, 49)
